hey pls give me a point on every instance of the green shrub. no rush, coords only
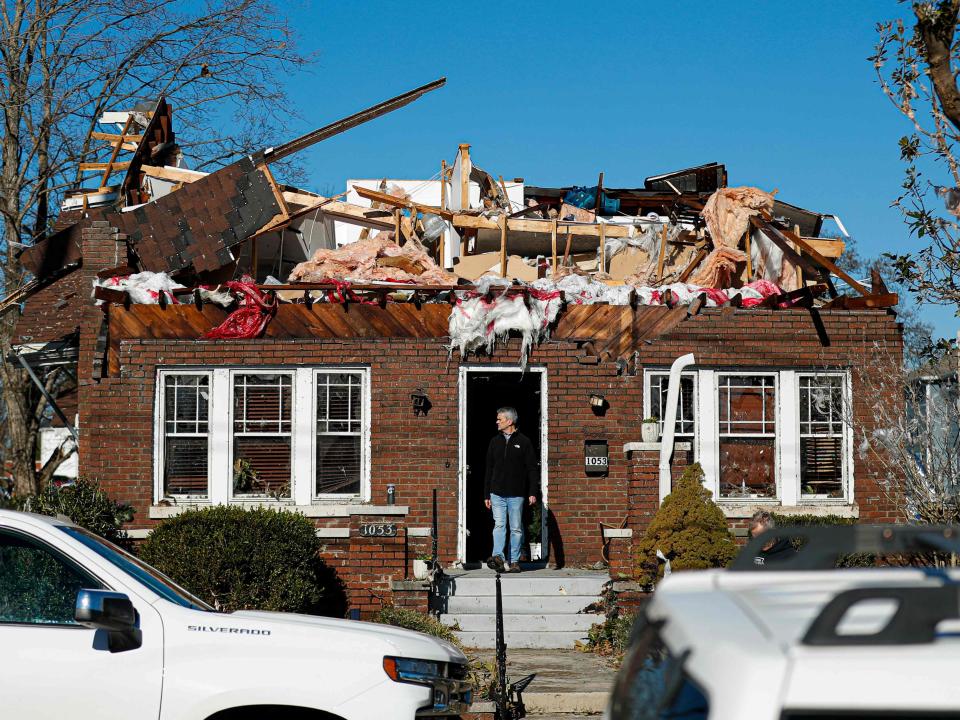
(86, 505)
(414, 620)
(610, 637)
(238, 559)
(688, 528)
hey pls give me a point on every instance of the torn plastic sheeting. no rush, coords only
(143, 288)
(250, 319)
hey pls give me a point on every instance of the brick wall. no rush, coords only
(418, 454)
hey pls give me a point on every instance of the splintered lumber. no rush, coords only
(697, 259)
(503, 246)
(532, 225)
(817, 257)
(394, 201)
(99, 166)
(663, 253)
(344, 212)
(844, 302)
(347, 123)
(553, 245)
(108, 170)
(828, 248)
(112, 137)
(172, 174)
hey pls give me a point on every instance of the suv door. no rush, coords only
(52, 667)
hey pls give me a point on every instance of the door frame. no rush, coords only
(464, 372)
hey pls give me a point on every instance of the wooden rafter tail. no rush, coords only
(393, 201)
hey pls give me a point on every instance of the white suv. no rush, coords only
(89, 631)
(793, 642)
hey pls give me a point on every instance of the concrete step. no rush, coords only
(540, 623)
(527, 585)
(521, 639)
(517, 604)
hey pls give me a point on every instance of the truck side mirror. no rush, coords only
(110, 611)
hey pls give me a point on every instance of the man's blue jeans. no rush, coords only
(502, 507)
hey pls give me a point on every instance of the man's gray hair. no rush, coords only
(764, 518)
(510, 412)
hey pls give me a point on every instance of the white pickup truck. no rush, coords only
(89, 631)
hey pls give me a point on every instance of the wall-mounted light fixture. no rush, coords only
(421, 403)
(598, 403)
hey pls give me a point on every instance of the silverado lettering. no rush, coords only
(239, 631)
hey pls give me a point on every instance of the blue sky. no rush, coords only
(780, 92)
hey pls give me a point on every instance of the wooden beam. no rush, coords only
(844, 302)
(697, 259)
(553, 245)
(663, 252)
(746, 246)
(108, 170)
(823, 262)
(99, 166)
(113, 137)
(465, 176)
(602, 266)
(274, 188)
(827, 248)
(172, 174)
(503, 246)
(536, 225)
(386, 199)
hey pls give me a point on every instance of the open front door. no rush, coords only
(483, 390)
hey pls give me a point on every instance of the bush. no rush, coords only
(86, 505)
(414, 620)
(610, 637)
(689, 529)
(238, 559)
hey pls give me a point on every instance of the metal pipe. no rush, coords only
(670, 421)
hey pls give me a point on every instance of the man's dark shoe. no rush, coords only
(514, 568)
(495, 562)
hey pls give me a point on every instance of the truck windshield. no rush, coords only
(143, 573)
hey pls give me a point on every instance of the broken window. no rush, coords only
(658, 384)
(747, 435)
(821, 436)
(339, 455)
(262, 431)
(185, 407)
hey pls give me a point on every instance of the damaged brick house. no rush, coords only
(363, 383)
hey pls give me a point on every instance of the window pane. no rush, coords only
(261, 466)
(262, 403)
(185, 466)
(186, 410)
(659, 386)
(747, 467)
(747, 404)
(36, 586)
(821, 466)
(339, 458)
(338, 464)
(821, 404)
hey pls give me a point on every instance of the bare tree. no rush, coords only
(64, 62)
(913, 442)
(915, 61)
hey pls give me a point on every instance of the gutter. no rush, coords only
(670, 421)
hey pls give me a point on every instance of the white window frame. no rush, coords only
(364, 433)
(706, 446)
(303, 434)
(648, 376)
(160, 425)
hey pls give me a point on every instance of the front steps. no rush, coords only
(541, 608)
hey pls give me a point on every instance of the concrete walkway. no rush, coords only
(569, 683)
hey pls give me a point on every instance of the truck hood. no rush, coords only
(407, 643)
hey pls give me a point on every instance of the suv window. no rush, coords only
(38, 586)
(653, 683)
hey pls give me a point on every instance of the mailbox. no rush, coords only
(596, 457)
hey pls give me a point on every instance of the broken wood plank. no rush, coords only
(663, 253)
(503, 246)
(697, 259)
(108, 170)
(864, 302)
(98, 166)
(553, 245)
(347, 123)
(172, 174)
(393, 201)
(113, 137)
(818, 258)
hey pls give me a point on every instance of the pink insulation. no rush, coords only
(728, 212)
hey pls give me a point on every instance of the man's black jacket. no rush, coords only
(511, 467)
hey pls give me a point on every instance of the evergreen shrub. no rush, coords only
(239, 559)
(688, 528)
(85, 504)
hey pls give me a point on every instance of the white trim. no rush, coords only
(787, 440)
(655, 447)
(715, 429)
(161, 512)
(617, 532)
(365, 492)
(707, 451)
(160, 432)
(820, 509)
(333, 532)
(463, 372)
(221, 457)
(302, 436)
(419, 532)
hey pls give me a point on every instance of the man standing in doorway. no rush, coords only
(511, 475)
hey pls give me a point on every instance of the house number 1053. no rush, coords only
(378, 530)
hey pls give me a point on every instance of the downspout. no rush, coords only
(670, 421)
